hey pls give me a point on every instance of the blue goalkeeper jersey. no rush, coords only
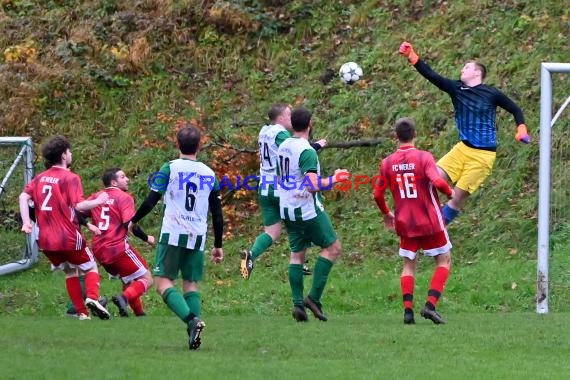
(475, 108)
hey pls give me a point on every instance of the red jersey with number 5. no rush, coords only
(111, 218)
(55, 193)
(410, 174)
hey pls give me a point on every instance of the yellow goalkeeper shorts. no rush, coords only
(467, 167)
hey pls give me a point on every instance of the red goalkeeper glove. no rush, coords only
(522, 134)
(407, 50)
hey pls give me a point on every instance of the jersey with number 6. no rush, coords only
(410, 173)
(55, 193)
(270, 137)
(111, 218)
(186, 205)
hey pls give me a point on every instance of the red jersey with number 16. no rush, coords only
(111, 218)
(55, 193)
(412, 176)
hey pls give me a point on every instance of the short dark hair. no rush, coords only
(405, 129)
(481, 67)
(110, 175)
(276, 110)
(300, 119)
(53, 149)
(188, 139)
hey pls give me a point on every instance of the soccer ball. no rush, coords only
(350, 73)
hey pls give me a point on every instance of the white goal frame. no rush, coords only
(546, 124)
(30, 256)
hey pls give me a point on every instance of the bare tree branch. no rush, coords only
(338, 145)
(216, 144)
(352, 144)
(241, 124)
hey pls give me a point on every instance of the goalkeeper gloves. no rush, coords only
(407, 50)
(522, 134)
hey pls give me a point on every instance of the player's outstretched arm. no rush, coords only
(407, 50)
(444, 84)
(443, 187)
(215, 205)
(148, 204)
(522, 134)
(433, 174)
(326, 183)
(25, 212)
(137, 230)
(217, 255)
(508, 105)
(88, 205)
(380, 199)
(82, 218)
(320, 144)
(387, 215)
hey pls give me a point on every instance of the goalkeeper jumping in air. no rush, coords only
(470, 161)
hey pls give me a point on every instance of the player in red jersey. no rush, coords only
(57, 194)
(112, 248)
(412, 176)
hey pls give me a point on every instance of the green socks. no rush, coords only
(296, 282)
(176, 302)
(320, 275)
(262, 243)
(193, 302)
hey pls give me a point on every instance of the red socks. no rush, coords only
(92, 285)
(135, 290)
(407, 285)
(133, 293)
(437, 284)
(76, 294)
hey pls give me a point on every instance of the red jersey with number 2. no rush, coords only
(111, 218)
(410, 173)
(55, 193)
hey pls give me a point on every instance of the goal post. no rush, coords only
(544, 179)
(16, 251)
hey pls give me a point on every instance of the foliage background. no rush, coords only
(118, 78)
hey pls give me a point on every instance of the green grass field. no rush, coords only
(470, 346)
(117, 77)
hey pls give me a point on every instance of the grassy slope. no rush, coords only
(195, 68)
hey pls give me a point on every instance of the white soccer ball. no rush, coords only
(350, 73)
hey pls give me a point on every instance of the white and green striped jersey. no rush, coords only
(186, 206)
(296, 202)
(270, 137)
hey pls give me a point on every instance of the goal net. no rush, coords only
(18, 251)
(553, 275)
